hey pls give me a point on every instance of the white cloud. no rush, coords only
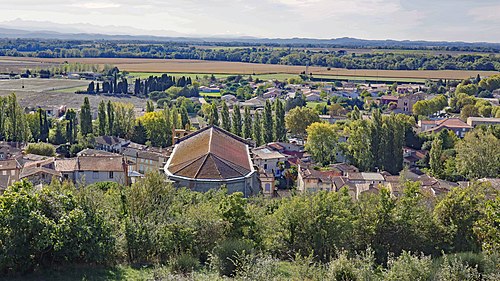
(486, 13)
(96, 5)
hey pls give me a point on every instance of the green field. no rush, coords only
(312, 104)
(211, 95)
(71, 90)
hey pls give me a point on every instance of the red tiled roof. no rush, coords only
(100, 163)
(210, 153)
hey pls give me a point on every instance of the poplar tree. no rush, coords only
(435, 154)
(101, 118)
(111, 118)
(175, 118)
(226, 121)
(279, 122)
(168, 125)
(247, 124)
(236, 124)
(86, 118)
(257, 129)
(71, 130)
(268, 123)
(186, 124)
(214, 115)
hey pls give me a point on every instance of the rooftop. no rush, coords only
(210, 153)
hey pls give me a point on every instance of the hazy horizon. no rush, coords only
(445, 20)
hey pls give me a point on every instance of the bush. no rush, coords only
(229, 254)
(184, 264)
(41, 148)
(454, 268)
(408, 267)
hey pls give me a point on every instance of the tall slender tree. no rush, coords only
(186, 124)
(247, 124)
(86, 118)
(214, 115)
(267, 123)
(71, 126)
(111, 118)
(175, 118)
(101, 118)
(279, 121)
(257, 129)
(226, 120)
(236, 122)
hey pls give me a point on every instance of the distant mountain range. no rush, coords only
(346, 42)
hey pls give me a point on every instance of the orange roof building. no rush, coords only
(211, 158)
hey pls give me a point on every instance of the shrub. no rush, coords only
(41, 148)
(184, 264)
(229, 254)
(408, 267)
(454, 268)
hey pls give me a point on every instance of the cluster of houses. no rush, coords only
(212, 158)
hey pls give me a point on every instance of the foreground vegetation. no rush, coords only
(169, 233)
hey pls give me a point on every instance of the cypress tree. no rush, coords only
(111, 118)
(139, 135)
(101, 118)
(86, 118)
(268, 123)
(214, 115)
(236, 124)
(186, 124)
(168, 126)
(175, 118)
(70, 126)
(279, 123)
(226, 121)
(375, 135)
(257, 129)
(247, 124)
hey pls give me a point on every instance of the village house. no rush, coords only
(475, 121)
(267, 182)
(40, 172)
(110, 143)
(457, 126)
(93, 169)
(10, 170)
(269, 160)
(145, 160)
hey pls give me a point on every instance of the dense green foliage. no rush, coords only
(153, 223)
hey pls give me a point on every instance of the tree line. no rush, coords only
(265, 55)
(265, 127)
(152, 223)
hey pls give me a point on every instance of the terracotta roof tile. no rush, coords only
(210, 153)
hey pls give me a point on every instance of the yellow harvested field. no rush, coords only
(218, 67)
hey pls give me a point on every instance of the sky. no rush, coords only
(436, 20)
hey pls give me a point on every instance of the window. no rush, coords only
(265, 166)
(12, 172)
(268, 187)
(95, 174)
(111, 175)
(4, 173)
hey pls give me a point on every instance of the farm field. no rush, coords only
(278, 76)
(57, 92)
(219, 67)
(41, 85)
